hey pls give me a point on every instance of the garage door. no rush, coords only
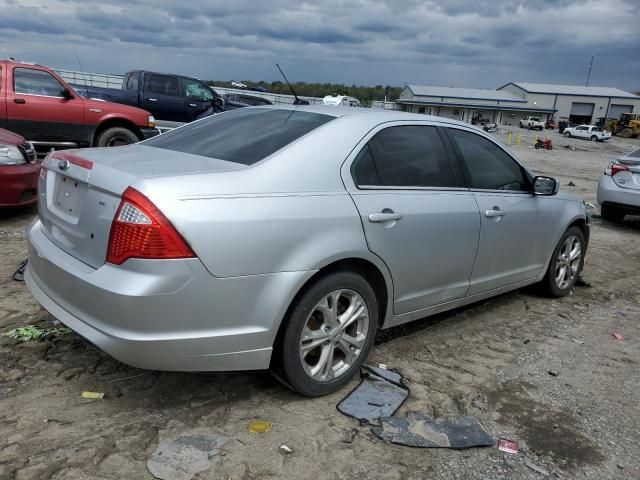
(582, 109)
(616, 110)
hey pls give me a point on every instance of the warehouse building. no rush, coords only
(510, 103)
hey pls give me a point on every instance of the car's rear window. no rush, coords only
(246, 135)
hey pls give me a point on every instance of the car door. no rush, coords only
(37, 109)
(197, 98)
(162, 97)
(417, 215)
(517, 227)
(582, 132)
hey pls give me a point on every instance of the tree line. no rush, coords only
(366, 94)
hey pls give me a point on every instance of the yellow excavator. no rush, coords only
(628, 125)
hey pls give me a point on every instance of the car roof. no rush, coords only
(372, 115)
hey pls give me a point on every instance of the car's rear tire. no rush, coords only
(116, 136)
(566, 264)
(612, 214)
(321, 345)
(567, 134)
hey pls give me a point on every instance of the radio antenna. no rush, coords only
(86, 87)
(297, 100)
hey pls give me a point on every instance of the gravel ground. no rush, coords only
(491, 360)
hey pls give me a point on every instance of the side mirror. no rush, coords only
(66, 94)
(545, 186)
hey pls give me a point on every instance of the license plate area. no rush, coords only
(67, 197)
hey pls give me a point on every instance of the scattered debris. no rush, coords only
(380, 393)
(260, 426)
(571, 184)
(31, 332)
(509, 446)
(536, 468)
(553, 373)
(589, 205)
(618, 336)
(55, 420)
(285, 450)
(93, 395)
(526, 340)
(579, 342)
(421, 430)
(570, 147)
(18, 276)
(185, 456)
(130, 377)
(350, 435)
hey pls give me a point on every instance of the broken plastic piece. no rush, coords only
(380, 394)
(420, 430)
(618, 336)
(508, 446)
(93, 395)
(260, 426)
(18, 276)
(284, 450)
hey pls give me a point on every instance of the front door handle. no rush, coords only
(152, 99)
(496, 212)
(193, 105)
(21, 101)
(384, 217)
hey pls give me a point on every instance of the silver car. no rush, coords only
(285, 237)
(619, 187)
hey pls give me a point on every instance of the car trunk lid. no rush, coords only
(80, 191)
(629, 178)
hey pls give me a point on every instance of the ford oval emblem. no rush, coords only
(63, 164)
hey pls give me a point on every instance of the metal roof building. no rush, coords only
(516, 100)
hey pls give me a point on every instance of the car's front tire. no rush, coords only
(594, 138)
(566, 263)
(329, 331)
(115, 137)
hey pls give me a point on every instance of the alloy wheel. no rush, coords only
(568, 262)
(334, 335)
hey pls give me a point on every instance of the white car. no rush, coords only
(238, 85)
(619, 187)
(532, 123)
(590, 132)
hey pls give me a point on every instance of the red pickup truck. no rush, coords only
(37, 104)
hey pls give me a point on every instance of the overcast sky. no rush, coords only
(479, 43)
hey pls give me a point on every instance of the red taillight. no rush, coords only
(617, 168)
(140, 230)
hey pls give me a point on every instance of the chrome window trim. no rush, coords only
(395, 188)
(34, 94)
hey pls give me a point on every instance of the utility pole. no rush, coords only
(589, 73)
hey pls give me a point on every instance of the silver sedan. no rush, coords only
(619, 187)
(285, 237)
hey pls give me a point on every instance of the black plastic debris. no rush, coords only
(18, 276)
(380, 394)
(420, 430)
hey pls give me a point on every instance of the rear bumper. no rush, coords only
(162, 315)
(610, 193)
(18, 184)
(149, 132)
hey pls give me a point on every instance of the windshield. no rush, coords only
(244, 136)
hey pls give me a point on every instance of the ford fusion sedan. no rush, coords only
(207, 249)
(19, 171)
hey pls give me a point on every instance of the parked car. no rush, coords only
(238, 85)
(209, 249)
(19, 170)
(235, 99)
(168, 97)
(37, 104)
(550, 124)
(589, 132)
(619, 187)
(532, 123)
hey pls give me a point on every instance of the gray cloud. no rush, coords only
(485, 44)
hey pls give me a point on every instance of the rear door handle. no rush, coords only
(384, 217)
(193, 105)
(494, 213)
(152, 99)
(19, 100)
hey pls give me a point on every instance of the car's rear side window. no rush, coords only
(404, 156)
(246, 135)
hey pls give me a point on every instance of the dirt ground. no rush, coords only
(491, 360)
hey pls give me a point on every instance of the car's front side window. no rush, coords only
(404, 156)
(30, 81)
(164, 85)
(488, 167)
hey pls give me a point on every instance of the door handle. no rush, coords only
(496, 212)
(19, 100)
(193, 105)
(152, 99)
(384, 217)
